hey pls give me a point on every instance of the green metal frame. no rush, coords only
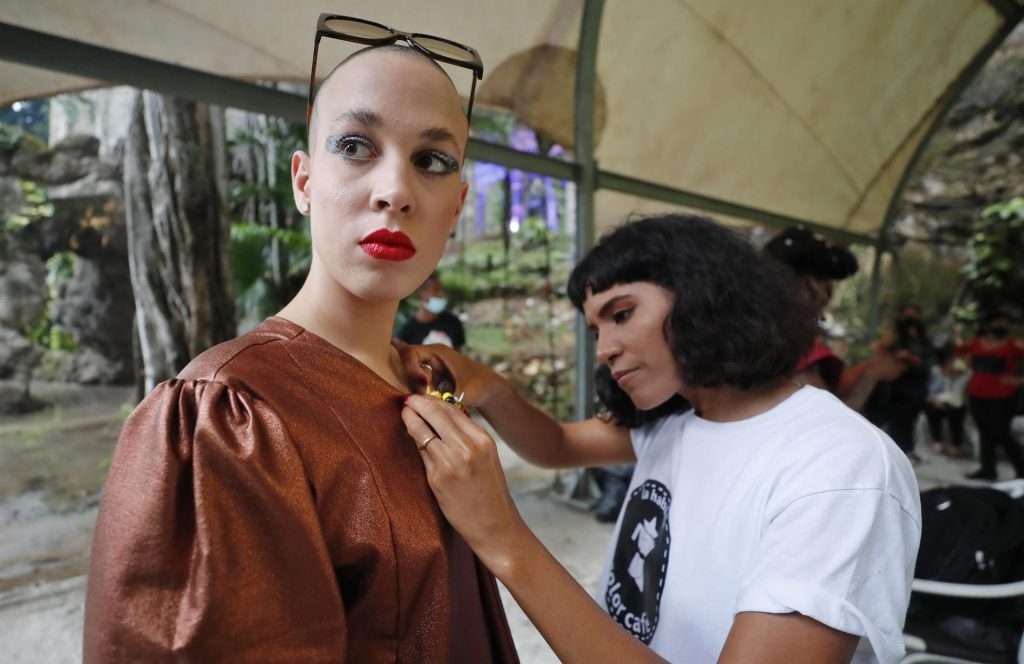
(586, 185)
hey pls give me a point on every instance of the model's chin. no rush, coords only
(381, 283)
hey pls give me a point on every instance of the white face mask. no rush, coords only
(436, 305)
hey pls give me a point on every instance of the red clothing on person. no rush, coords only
(989, 365)
(830, 366)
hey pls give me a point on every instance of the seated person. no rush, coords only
(433, 323)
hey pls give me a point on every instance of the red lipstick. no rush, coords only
(388, 245)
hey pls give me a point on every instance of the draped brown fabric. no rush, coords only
(267, 505)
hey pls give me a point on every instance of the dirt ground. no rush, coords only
(54, 462)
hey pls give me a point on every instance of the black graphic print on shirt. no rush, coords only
(637, 577)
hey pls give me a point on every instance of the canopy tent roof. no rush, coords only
(773, 112)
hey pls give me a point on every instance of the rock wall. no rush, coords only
(976, 158)
(94, 306)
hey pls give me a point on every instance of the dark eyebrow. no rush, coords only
(607, 306)
(362, 116)
(606, 309)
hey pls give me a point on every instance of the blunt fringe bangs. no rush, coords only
(739, 318)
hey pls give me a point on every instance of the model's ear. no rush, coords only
(300, 181)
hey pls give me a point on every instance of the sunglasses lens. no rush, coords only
(357, 29)
(445, 48)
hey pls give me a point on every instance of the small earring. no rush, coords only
(305, 208)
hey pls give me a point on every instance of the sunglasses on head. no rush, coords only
(370, 33)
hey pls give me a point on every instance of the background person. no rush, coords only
(818, 264)
(896, 403)
(946, 403)
(433, 323)
(992, 391)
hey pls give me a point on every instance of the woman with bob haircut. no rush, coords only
(266, 504)
(765, 521)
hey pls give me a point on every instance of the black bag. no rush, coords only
(969, 535)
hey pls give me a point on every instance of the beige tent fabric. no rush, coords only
(799, 108)
(809, 109)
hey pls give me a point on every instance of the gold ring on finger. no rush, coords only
(422, 446)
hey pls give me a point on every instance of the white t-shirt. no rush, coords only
(807, 508)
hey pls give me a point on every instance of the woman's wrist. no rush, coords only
(507, 554)
(493, 391)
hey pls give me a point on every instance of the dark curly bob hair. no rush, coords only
(738, 319)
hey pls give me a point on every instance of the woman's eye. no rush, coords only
(351, 147)
(622, 315)
(436, 163)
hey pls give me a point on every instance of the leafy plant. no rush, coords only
(44, 331)
(994, 270)
(36, 205)
(257, 294)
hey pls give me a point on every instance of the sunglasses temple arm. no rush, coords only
(472, 94)
(312, 80)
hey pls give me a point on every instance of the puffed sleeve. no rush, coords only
(208, 547)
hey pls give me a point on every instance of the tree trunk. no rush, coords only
(177, 235)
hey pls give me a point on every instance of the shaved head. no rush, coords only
(392, 49)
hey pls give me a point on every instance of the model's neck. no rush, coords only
(730, 404)
(361, 328)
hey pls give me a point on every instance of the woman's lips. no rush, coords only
(388, 245)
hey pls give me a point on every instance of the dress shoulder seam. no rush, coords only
(241, 351)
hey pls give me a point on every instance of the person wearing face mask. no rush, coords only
(433, 323)
(895, 404)
(267, 505)
(765, 520)
(994, 357)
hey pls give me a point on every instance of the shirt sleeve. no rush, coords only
(843, 557)
(208, 546)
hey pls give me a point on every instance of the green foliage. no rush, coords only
(266, 263)
(36, 206)
(257, 293)
(288, 137)
(483, 270)
(492, 123)
(12, 137)
(519, 321)
(45, 331)
(918, 276)
(994, 270)
(9, 136)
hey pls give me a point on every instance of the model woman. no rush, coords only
(267, 505)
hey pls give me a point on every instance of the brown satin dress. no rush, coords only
(268, 506)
